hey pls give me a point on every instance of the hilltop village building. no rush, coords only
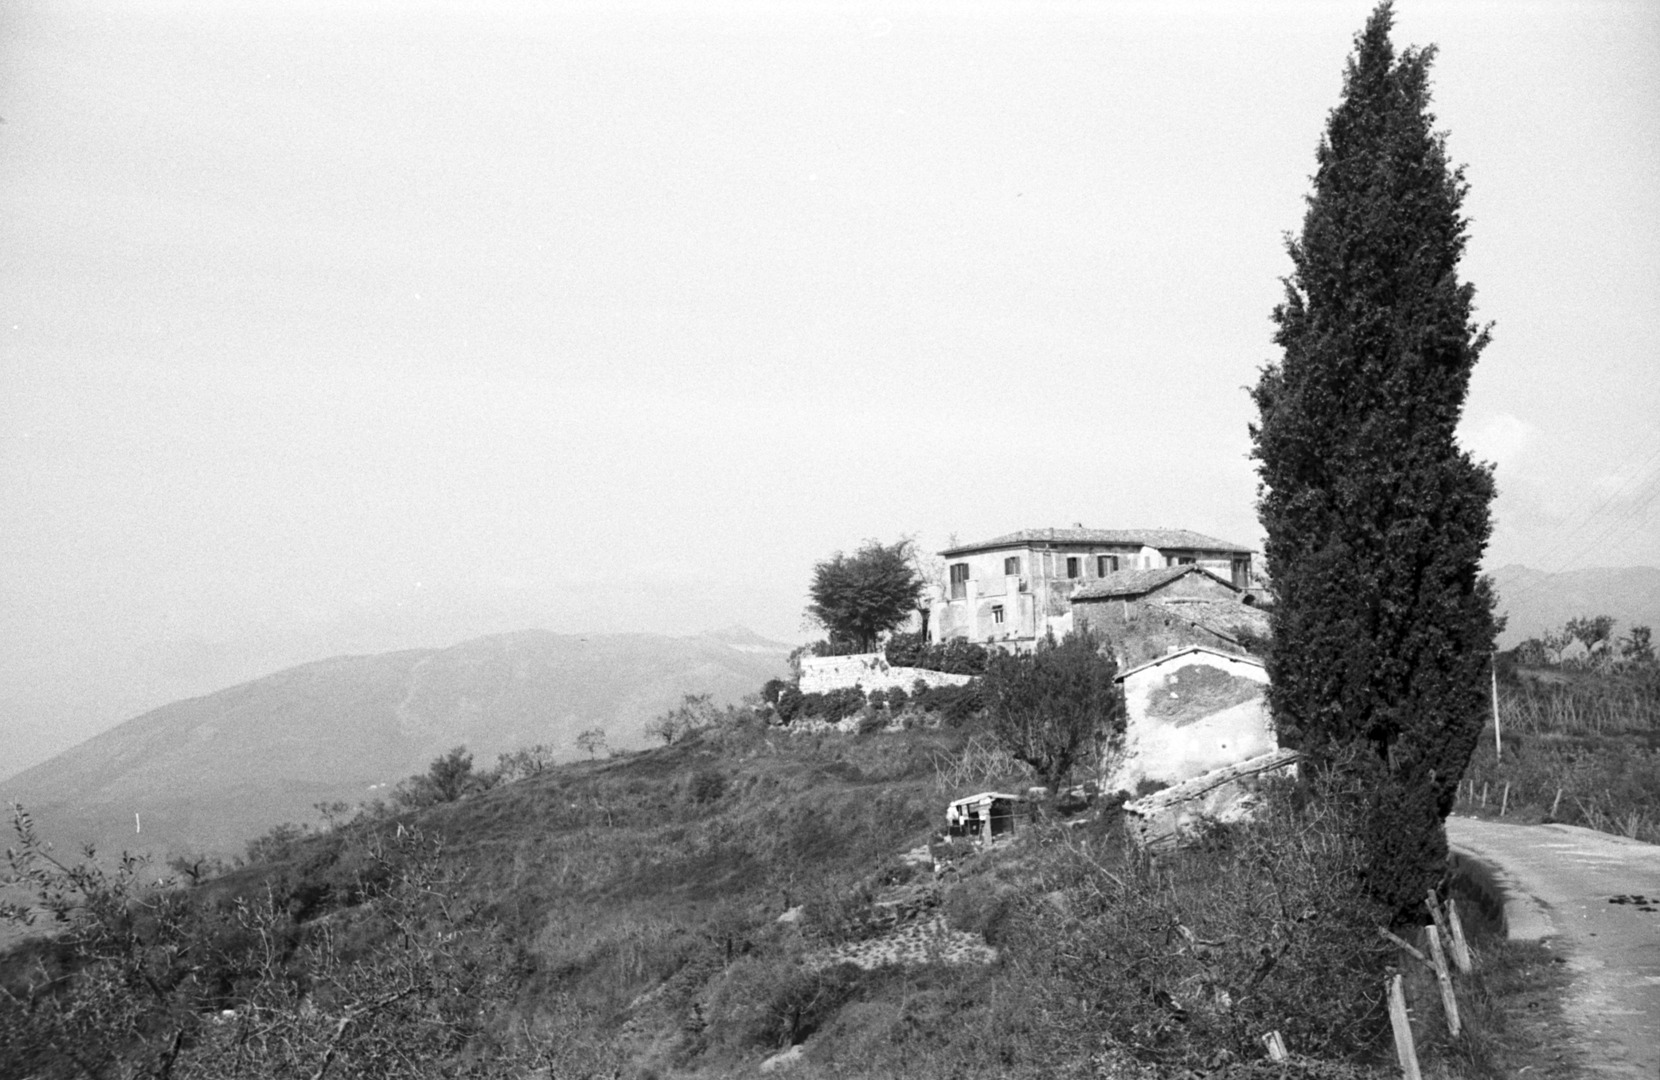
(1014, 589)
(1148, 613)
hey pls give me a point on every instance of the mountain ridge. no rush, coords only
(207, 773)
(1535, 601)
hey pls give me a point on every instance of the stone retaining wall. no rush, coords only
(868, 670)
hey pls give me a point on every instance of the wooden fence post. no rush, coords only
(1460, 947)
(1449, 1000)
(1411, 949)
(1404, 1048)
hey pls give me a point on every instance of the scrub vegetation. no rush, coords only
(1580, 735)
(694, 909)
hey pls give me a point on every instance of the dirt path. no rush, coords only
(1598, 898)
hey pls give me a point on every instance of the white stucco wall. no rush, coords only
(1173, 748)
(869, 670)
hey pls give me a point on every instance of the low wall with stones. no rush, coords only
(868, 670)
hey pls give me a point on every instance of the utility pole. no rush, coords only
(1498, 738)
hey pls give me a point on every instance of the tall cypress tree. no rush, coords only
(1376, 520)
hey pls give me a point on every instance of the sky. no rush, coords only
(349, 326)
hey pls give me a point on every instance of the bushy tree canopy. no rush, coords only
(1376, 520)
(447, 779)
(1052, 706)
(859, 597)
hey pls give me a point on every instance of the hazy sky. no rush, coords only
(344, 326)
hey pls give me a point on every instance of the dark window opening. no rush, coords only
(1106, 564)
(1072, 567)
(1011, 565)
(959, 580)
(997, 613)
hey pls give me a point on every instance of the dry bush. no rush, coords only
(769, 1003)
(1263, 926)
(981, 762)
(138, 976)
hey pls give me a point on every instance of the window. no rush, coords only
(1179, 560)
(1073, 569)
(959, 580)
(997, 614)
(1011, 566)
(1106, 564)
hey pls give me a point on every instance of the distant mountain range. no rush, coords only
(209, 773)
(1535, 601)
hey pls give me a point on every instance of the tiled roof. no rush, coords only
(1173, 539)
(1137, 582)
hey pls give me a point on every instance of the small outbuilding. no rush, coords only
(988, 815)
(1189, 712)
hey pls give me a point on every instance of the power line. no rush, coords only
(1641, 476)
(1637, 477)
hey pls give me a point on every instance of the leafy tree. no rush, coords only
(1556, 643)
(451, 776)
(862, 596)
(1591, 631)
(447, 779)
(1637, 647)
(1051, 706)
(1376, 520)
(694, 713)
(524, 762)
(1532, 653)
(591, 741)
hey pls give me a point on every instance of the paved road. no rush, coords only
(1561, 880)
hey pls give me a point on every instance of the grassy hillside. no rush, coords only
(693, 910)
(748, 891)
(207, 773)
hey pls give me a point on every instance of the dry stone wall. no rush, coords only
(871, 671)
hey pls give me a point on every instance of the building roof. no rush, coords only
(1162, 539)
(1167, 657)
(986, 796)
(1132, 583)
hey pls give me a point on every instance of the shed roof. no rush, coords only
(987, 796)
(1128, 583)
(1167, 657)
(1162, 539)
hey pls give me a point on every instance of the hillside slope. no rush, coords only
(208, 773)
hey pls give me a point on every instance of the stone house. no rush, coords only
(1190, 712)
(1147, 613)
(1015, 588)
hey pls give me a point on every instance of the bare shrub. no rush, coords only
(527, 761)
(982, 761)
(1264, 926)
